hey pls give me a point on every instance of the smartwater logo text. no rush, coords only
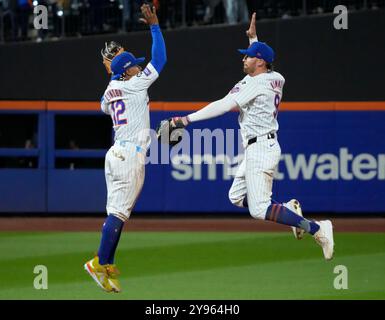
(324, 167)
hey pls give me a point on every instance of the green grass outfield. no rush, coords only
(194, 265)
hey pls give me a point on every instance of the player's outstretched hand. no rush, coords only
(170, 131)
(179, 122)
(252, 33)
(149, 14)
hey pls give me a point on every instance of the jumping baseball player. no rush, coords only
(257, 97)
(126, 101)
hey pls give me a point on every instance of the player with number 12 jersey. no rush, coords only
(127, 104)
(126, 101)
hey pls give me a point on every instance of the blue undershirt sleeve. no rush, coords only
(158, 52)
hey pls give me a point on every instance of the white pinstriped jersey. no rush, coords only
(258, 99)
(127, 104)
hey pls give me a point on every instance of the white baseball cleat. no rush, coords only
(324, 237)
(295, 206)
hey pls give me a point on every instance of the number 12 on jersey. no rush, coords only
(118, 109)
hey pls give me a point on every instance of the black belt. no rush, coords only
(269, 136)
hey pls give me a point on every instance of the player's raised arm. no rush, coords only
(251, 32)
(158, 52)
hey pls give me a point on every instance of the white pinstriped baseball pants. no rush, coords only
(254, 177)
(124, 173)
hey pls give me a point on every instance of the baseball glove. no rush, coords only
(111, 49)
(170, 131)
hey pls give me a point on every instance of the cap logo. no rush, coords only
(127, 64)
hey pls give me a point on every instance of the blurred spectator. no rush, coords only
(8, 19)
(24, 10)
(83, 17)
(172, 14)
(73, 17)
(236, 11)
(57, 7)
(131, 14)
(195, 10)
(210, 10)
(167, 10)
(97, 15)
(56, 12)
(127, 12)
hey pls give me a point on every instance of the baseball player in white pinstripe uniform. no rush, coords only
(257, 97)
(126, 101)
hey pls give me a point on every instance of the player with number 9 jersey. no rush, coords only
(257, 97)
(258, 100)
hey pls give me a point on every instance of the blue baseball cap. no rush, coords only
(122, 62)
(259, 50)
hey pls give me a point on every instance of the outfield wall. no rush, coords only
(319, 62)
(332, 148)
(333, 160)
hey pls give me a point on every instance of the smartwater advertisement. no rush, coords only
(330, 162)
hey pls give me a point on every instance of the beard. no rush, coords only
(246, 69)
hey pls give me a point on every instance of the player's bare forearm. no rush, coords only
(252, 32)
(214, 109)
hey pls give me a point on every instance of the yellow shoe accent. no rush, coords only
(99, 273)
(113, 274)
